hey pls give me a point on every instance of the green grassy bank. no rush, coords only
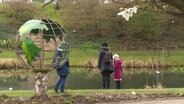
(131, 58)
(29, 93)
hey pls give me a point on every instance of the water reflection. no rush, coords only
(84, 79)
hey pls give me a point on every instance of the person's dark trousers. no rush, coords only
(60, 84)
(118, 84)
(106, 79)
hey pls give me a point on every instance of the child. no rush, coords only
(118, 70)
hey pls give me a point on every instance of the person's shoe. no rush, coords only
(56, 91)
(62, 92)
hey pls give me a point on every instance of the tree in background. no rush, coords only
(178, 4)
(177, 7)
(88, 19)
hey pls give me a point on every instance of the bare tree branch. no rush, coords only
(130, 4)
(47, 3)
(3, 11)
(178, 4)
(179, 14)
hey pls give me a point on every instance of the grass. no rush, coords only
(81, 57)
(7, 54)
(29, 93)
(127, 91)
(175, 57)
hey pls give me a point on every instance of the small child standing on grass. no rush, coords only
(118, 70)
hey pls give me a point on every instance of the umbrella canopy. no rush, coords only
(30, 49)
(34, 51)
(30, 25)
(54, 30)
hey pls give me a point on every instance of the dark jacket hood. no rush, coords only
(105, 48)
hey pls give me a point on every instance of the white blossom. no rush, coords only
(157, 72)
(133, 93)
(10, 89)
(127, 13)
(121, 9)
(74, 2)
(135, 8)
(107, 1)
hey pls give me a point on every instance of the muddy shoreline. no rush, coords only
(90, 99)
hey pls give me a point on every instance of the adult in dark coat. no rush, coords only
(105, 68)
(61, 64)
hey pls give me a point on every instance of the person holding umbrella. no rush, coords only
(105, 65)
(61, 64)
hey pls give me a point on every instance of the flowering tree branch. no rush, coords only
(178, 4)
(161, 5)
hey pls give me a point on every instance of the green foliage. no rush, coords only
(90, 18)
(78, 56)
(7, 54)
(90, 46)
(23, 93)
(20, 12)
(95, 22)
(51, 13)
(143, 26)
(8, 44)
(7, 31)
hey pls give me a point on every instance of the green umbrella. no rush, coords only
(30, 49)
(26, 28)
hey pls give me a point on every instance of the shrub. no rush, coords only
(90, 45)
(20, 12)
(8, 44)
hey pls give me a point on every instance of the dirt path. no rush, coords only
(157, 101)
(161, 101)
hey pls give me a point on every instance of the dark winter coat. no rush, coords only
(64, 70)
(61, 64)
(101, 60)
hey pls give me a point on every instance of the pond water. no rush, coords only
(83, 78)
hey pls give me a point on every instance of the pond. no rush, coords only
(83, 78)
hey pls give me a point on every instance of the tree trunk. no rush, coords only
(41, 80)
